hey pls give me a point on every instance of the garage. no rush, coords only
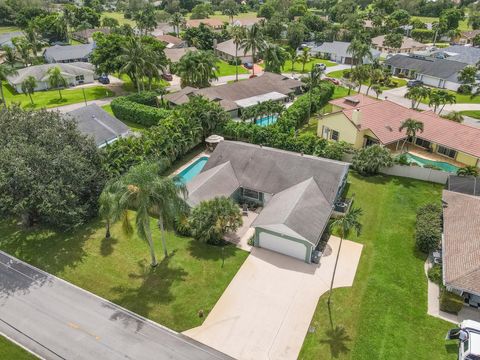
(282, 244)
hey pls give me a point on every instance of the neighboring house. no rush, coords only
(86, 36)
(297, 192)
(466, 37)
(226, 51)
(465, 54)
(461, 245)
(68, 53)
(247, 22)
(236, 96)
(75, 74)
(408, 45)
(175, 54)
(6, 38)
(171, 41)
(440, 73)
(215, 24)
(363, 121)
(162, 29)
(93, 121)
(338, 51)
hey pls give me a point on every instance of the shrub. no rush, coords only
(431, 166)
(182, 226)
(369, 160)
(428, 231)
(450, 302)
(402, 160)
(127, 110)
(464, 89)
(145, 97)
(435, 274)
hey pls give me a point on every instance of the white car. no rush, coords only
(469, 339)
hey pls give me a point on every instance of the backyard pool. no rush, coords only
(192, 170)
(422, 162)
(267, 120)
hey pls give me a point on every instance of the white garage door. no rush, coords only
(284, 246)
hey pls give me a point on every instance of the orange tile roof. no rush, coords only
(214, 23)
(363, 100)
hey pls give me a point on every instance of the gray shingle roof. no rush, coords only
(339, 48)
(175, 54)
(304, 188)
(439, 68)
(69, 52)
(6, 38)
(40, 72)
(461, 244)
(96, 122)
(465, 54)
(228, 47)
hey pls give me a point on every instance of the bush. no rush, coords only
(182, 226)
(435, 274)
(402, 160)
(450, 302)
(431, 166)
(428, 232)
(127, 110)
(369, 160)
(145, 97)
(464, 89)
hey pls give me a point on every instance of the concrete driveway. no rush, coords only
(266, 310)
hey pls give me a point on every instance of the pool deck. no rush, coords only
(421, 152)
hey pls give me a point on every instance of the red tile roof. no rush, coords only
(362, 100)
(169, 39)
(384, 118)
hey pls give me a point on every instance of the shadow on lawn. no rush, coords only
(107, 246)
(199, 250)
(337, 339)
(154, 286)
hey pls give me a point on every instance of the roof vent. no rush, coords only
(389, 128)
(352, 100)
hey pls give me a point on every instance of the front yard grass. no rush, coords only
(118, 269)
(8, 29)
(119, 16)
(297, 67)
(472, 113)
(461, 98)
(225, 69)
(9, 350)
(51, 98)
(398, 81)
(384, 314)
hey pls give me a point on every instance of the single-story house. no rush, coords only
(466, 37)
(469, 185)
(297, 192)
(235, 96)
(226, 51)
(362, 121)
(440, 73)
(93, 121)
(171, 41)
(338, 51)
(68, 53)
(247, 22)
(461, 245)
(464, 54)
(162, 29)
(175, 54)
(408, 45)
(215, 24)
(86, 36)
(75, 73)
(6, 38)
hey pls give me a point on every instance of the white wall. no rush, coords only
(417, 172)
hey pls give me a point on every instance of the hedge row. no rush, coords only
(429, 227)
(127, 110)
(145, 97)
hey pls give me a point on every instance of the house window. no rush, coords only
(446, 151)
(335, 135)
(369, 141)
(325, 132)
(423, 143)
(252, 194)
(80, 78)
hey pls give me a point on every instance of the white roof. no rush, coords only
(474, 343)
(254, 100)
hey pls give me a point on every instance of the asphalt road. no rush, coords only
(57, 320)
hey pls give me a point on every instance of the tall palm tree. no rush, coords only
(416, 94)
(274, 57)
(254, 41)
(23, 48)
(345, 224)
(28, 87)
(34, 39)
(197, 68)
(293, 57)
(109, 208)
(237, 33)
(359, 50)
(145, 191)
(9, 55)
(411, 127)
(56, 80)
(446, 98)
(5, 71)
(304, 57)
(176, 21)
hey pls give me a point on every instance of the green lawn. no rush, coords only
(339, 74)
(189, 280)
(133, 126)
(9, 350)
(225, 69)
(298, 66)
(7, 29)
(119, 16)
(51, 98)
(461, 98)
(384, 314)
(463, 25)
(218, 15)
(472, 113)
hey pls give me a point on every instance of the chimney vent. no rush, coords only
(356, 116)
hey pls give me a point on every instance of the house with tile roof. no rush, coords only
(408, 45)
(363, 121)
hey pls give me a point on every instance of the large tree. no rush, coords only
(411, 127)
(274, 57)
(237, 34)
(28, 87)
(197, 68)
(56, 80)
(254, 42)
(55, 182)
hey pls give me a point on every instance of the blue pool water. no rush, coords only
(422, 161)
(267, 120)
(192, 170)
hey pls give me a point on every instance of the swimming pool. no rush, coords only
(422, 162)
(267, 120)
(192, 170)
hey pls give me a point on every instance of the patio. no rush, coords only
(396, 149)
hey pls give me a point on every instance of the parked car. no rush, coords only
(248, 65)
(468, 336)
(167, 76)
(332, 80)
(103, 79)
(413, 83)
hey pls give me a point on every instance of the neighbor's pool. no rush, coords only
(267, 120)
(192, 170)
(422, 162)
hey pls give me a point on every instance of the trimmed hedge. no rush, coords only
(429, 227)
(125, 109)
(145, 97)
(435, 274)
(450, 302)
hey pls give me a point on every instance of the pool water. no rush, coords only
(192, 170)
(422, 161)
(267, 120)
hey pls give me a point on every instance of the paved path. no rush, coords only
(266, 310)
(71, 107)
(57, 320)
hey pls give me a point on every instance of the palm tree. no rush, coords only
(5, 71)
(56, 80)
(293, 57)
(416, 94)
(359, 50)
(377, 88)
(454, 116)
(274, 58)
(446, 98)
(109, 208)
(254, 42)
(9, 55)
(33, 38)
(350, 221)
(468, 171)
(28, 87)
(176, 21)
(144, 190)
(197, 68)
(23, 49)
(315, 76)
(237, 33)
(304, 57)
(411, 127)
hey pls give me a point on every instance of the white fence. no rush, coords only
(417, 172)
